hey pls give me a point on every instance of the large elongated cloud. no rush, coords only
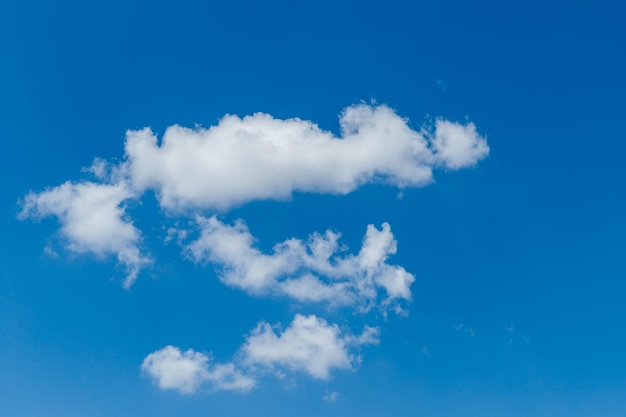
(309, 345)
(309, 271)
(260, 157)
(92, 220)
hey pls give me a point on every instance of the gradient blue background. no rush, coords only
(531, 240)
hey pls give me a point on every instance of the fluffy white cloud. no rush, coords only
(309, 344)
(92, 220)
(308, 271)
(260, 157)
(171, 368)
(457, 146)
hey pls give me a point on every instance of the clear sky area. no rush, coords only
(395, 208)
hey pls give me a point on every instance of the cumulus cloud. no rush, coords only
(309, 344)
(457, 146)
(308, 271)
(261, 157)
(93, 220)
(171, 368)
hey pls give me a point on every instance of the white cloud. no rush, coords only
(309, 344)
(307, 271)
(92, 220)
(260, 157)
(458, 146)
(171, 368)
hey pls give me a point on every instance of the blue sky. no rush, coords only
(488, 136)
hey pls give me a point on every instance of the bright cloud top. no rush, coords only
(92, 221)
(309, 344)
(259, 157)
(307, 271)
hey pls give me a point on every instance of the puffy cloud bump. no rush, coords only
(186, 371)
(309, 344)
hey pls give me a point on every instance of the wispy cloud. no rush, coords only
(93, 220)
(331, 396)
(314, 270)
(460, 327)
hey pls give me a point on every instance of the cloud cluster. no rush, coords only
(309, 345)
(200, 171)
(307, 271)
(243, 159)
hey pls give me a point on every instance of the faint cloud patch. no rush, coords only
(331, 396)
(441, 83)
(175, 233)
(513, 335)
(460, 327)
(49, 251)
